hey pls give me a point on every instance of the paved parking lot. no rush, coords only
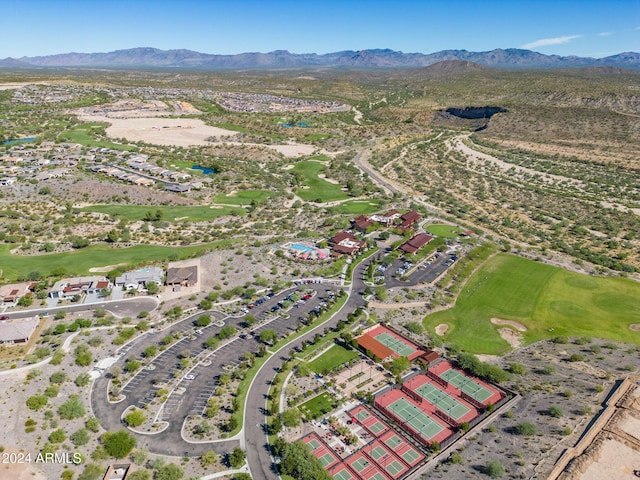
(198, 384)
(426, 273)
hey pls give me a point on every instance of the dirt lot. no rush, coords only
(611, 448)
(182, 132)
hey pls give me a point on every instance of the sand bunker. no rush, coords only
(442, 329)
(330, 180)
(512, 338)
(635, 327)
(108, 268)
(517, 325)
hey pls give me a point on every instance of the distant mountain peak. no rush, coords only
(379, 58)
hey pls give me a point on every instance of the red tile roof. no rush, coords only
(411, 216)
(415, 243)
(346, 250)
(340, 236)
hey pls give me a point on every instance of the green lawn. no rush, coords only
(318, 406)
(334, 357)
(200, 213)
(549, 301)
(317, 189)
(82, 134)
(244, 198)
(444, 231)
(185, 166)
(316, 136)
(358, 207)
(78, 262)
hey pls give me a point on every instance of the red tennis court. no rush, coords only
(446, 399)
(365, 468)
(369, 420)
(479, 391)
(414, 416)
(399, 345)
(342, 472)
(402, 448)
(321, 450)
(385, 459)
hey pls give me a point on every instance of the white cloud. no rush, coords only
(605, 34)
(545, 42)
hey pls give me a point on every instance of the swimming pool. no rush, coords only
(301, 248)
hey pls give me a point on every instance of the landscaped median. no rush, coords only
(243, 388)
(356, 261)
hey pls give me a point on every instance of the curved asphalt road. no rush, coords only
(128, 307)
(257, 449)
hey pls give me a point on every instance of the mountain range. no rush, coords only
(144, 57)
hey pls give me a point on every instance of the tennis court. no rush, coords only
(313, 444)
(341, 472)
(319, 450)
(327, 459)
(369, 421)
(467, 385)
(396, 344)
(418, 420)
(400, 447)
(442, 400)
(385, 459)
(364, 468)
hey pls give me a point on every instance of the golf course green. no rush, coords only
(548, 301)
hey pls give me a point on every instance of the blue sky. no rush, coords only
(595, 28)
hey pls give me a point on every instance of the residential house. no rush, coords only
(70, 287)
(139, 279)
(17, 331)
(177, 187)
(11, 293)
(183, 276)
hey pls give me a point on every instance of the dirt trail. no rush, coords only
(463, 148)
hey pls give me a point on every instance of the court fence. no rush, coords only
(472, 401)
(440, 381)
